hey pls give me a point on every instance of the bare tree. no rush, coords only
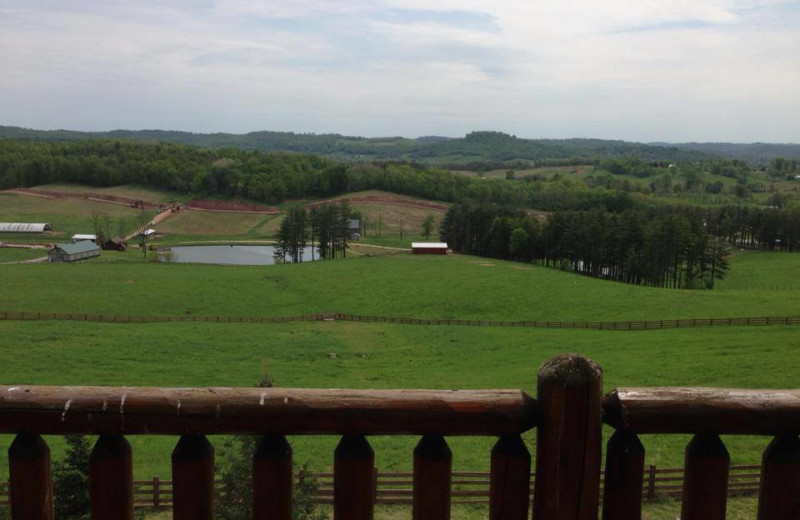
(143, 220)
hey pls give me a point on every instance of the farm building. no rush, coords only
(115, 244)
(73, 251)
(24, 227)
(354, 226)
(429, 248)
(147, 233)
(79, 238)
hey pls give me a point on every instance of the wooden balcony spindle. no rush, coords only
(111, 478)
(779, 493)
(510, 479)
(433, 464)
(622, 498)
(272, 479)
(705, 479)
(193, 479)
(569, 437)
(31, 492)
(353, 485)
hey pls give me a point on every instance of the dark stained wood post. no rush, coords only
(353, 463)
(651, 482)
(705, 479)
(156, 492)
(569, 437)
(31, 492)
(433, 463)
(111, 478)
(510, 479)
(622, 497)
(779, 493)
(193, 479)
(272, 479)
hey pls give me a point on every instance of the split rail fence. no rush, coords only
(568, 414)
(594, 325)
(468, 487)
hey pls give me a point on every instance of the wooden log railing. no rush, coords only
(568, 415)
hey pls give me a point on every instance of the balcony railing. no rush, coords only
(568, 414)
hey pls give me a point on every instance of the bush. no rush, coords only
(71, 480)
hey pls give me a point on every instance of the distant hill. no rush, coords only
(758, 154)
(475, 148)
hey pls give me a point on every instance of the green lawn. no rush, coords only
(15, 254)
(458, 287)
(390, 356)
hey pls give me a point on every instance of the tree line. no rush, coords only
(676, 247)
(325, 229)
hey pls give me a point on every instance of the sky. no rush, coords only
(639, 70)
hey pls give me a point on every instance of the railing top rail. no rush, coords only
(703, 410)
(170, 411)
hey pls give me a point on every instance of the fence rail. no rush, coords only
(338, 316)
(468, 487)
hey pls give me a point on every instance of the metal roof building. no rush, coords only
(429, 248)
(75, 251)
(24, 227)
(78, 237)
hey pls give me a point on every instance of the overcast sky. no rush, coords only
(643, 70)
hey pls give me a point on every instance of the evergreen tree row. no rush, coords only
(324, 229)
(665, 247)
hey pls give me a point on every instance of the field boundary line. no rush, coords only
(760, 321)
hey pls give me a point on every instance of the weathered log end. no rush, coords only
(569, 370)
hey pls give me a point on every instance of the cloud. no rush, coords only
(645, 70)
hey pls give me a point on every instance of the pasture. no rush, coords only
(67, 216)
(451, 287)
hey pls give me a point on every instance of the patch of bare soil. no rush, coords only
(97, 197)
(223, 205)
(377, 199)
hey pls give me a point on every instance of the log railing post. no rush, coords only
(353, 464)
(779, 492)
(569, 436)
(111, 478)
(272, 479)
(622, 496)
(31, 492)
(510, 479)
(705, 479)
(193, 479)
(433, 463)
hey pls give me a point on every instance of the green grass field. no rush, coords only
(67, 216)
(14, 254)
(144, 193)
(393, 356)
(457, 287)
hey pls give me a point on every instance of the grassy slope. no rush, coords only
(67, 216)
(427, 287)
(13, 254)
(389, 356)
(145, 193)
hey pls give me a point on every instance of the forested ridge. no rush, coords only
(666, 246)
(475, 149)
(275, 177)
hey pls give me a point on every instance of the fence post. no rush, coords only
(156, 491)
(651, 483)
(569, 437)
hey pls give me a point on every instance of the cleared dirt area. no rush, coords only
(385, 198)
(236, 206)
(85, 195)
(190, 222)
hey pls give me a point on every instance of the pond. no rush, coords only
(226, 255)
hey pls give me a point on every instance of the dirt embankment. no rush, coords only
(228, 206)
(96, 197)
(376, 199)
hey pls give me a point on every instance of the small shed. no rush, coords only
(429, 248)
(24, 227)
(147, 233)
(115, 244)
(73, 251)
(354, 226)
(80, 237)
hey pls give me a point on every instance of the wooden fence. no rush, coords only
(468, 487)
(592, 325)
